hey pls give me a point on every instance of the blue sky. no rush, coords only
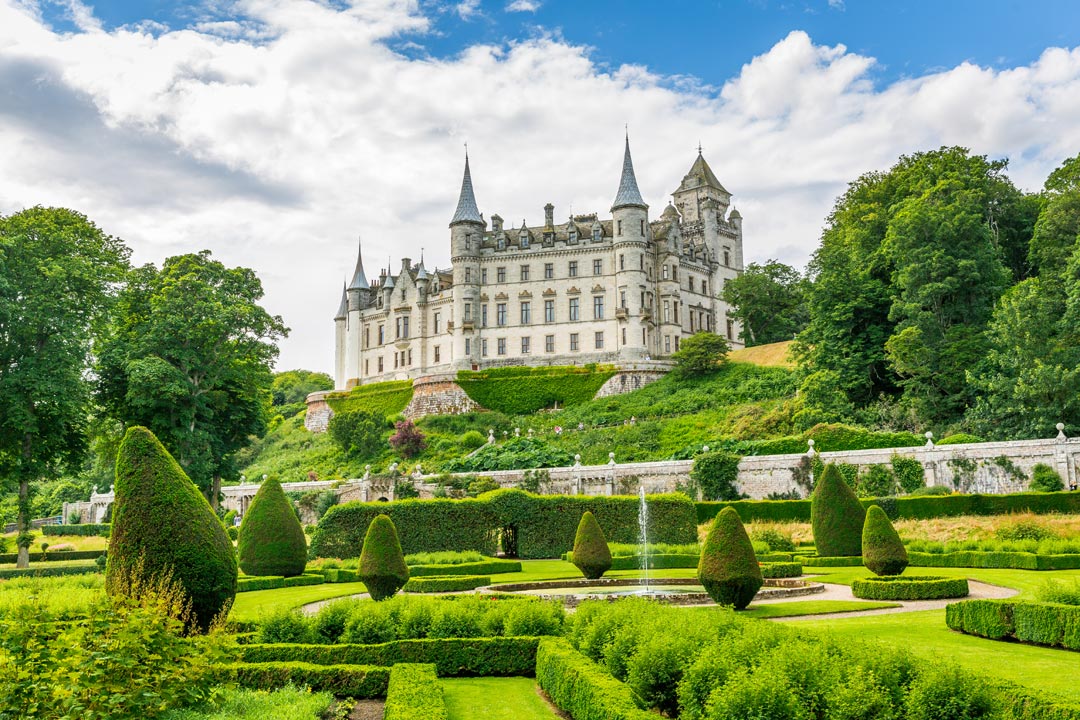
(275, 132)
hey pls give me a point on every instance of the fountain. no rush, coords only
(643, 537)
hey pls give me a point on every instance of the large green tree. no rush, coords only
(58, 276)
(189, 356)
(293, 386)
(768, 301)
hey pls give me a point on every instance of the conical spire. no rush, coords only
(359, 279)
(628, 195)
(466, 204)
(343, 308)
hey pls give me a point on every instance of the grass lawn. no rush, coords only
(250, 606)
(925, 634)
(796, 608)
(495, 699)
(535, 570)
(1026, 581)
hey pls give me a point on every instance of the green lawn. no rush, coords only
(250, 606)
(495, 699)
(1026, 581)
(796, 608)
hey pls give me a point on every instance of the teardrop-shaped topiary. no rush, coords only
(882, 551)
(728, 567)
(591, 554)
(382, 564)
(163, 527)
(836, 516)
(271, 540)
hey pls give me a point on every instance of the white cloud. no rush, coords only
(523, 6)
(467, 9)
(274, 141)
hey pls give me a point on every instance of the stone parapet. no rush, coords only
(319, 412)
(439, 395)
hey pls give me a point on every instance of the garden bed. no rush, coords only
(914, 587)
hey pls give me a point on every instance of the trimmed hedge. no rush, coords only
(414, 693)
(385, 398)
(494, 566)
(445, 583)
(86, 530)
(341, 575)
(544, 525)
(356, 681)
(781, 569)
(912, 507)
(271, 540)
(9, 573)
(582, 688)
(591, 554)
(909, 587)
(834, 561)
(382, 564)
(883, 552)
(526, 390)
(452, 657)
(980, 559)
(728, 568)
(54, 556)
(273, 582)
(836, 516)
(1032, 622)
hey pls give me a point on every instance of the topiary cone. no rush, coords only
(728, 567)
(883, 552)
(163, 527)
(382, 564)
(271, 540)
(591, 554)
(836, 516)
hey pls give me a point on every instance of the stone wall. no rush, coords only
(439, 395)
(318, 412)
(630, 379)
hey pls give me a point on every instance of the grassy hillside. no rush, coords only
(771, 355)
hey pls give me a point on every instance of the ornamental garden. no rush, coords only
(516, 605)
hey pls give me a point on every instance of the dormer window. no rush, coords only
(501, 242)
(524, 240)
(597, 233)
(571, 235)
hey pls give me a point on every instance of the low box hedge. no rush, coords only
(981, 559)
(356, 681)
(781, 569)
(835, 561)
(414, 693)
(494, 566)
(53, 556)
(909, 587)
(445, 583)
(48, 571)
(452, 657)
(341, 575)
(274, 582)
(582, 688)
(84, 530)
(1041, 623)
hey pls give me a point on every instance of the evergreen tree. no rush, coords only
(271, 539)
(591, 554)
(883, 552)
(728, 567)
(382, 564)
(836, 516)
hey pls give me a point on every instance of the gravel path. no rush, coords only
(979, 591)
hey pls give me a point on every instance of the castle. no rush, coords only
(623, 290)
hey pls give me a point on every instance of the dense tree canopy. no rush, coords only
(700, 353)
(189, 356)
(58, 274)
(293, 386)
(768, 301)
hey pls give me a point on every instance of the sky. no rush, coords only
(277, 133)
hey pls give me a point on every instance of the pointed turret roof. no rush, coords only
(703, 173)
(466, 204)
(343, 308)
(359, 279)
(628, 195)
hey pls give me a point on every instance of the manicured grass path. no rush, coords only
(797, 608)
(495, 699)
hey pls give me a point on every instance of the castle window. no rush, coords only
(501, 242)
(549, 311)
(380, 365)
(468, 312)
(573, 342)
(665, 275)
(641, 261)
(524, 346)
(483, 315)
(727, 258)
(667, 344)
(501, 346)
(598, 307)
(704, 287)
(624, 336)
(500, 314)
(730, 328)
(676, 312)
(396, 357)
(500, 274)
(676, 343)
(573, 309)
(483, 276)
(468, 347)
(367, 336)
(436, 354)
(549, 343)
(437, 324)
(674, 272)
(524, 240)
(667, 311)
(571, 235)
(468, 241)
(622, 299)
(597, 267)
(642, 234)
(691, 323)
(597, 233)
(643, 301)
(598, 340)
(618, 228)
(483, 347)
(526, 313)
(468, 275)
(402, 327)
(572, 269)
(402, 294)
(622, 262)
(382, 335)
(549, 271)
(524, 273)
(410, 357)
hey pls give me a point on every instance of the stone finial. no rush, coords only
(1061, 431)
(418, 471)
(491, 436)
(367, 472)
(810, 451)
(530, 432)
(517, 432)
(577, 460)
(929, 440)
(392, 469)
(94, 491)
(611, 458)
(704, 448)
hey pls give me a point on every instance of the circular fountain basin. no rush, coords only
(673, 591)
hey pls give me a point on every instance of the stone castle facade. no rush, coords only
(624, 290)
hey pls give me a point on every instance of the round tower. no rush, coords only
(630, 238)
(466, 234)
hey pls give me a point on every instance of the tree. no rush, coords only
(382, 564)
(58, 274)
(293, 386)
(882, 550)
(408, 441)
(769, 301)
(836, 516)
(701, 353)
(189, 356)
(728, 567)
(358, 433)
(271, 539)
(164, 530)
(591, 554)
